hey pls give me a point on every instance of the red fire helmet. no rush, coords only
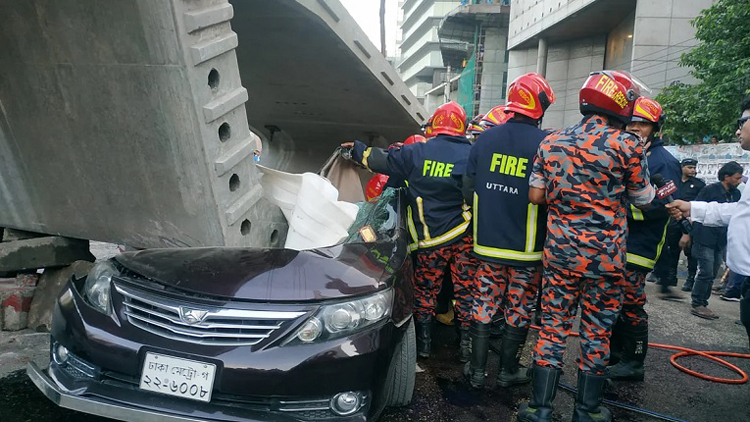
(496, 116)
(648, 110)
(530, 95)
(413, 139)
(448, 119)
(610, 92)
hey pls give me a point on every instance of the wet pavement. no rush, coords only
(442, 395)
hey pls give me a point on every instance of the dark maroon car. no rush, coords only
(242, 334)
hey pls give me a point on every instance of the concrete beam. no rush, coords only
(127, 122)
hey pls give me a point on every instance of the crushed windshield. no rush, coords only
(377, 220)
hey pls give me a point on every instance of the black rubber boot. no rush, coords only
(497, 326)
(511, 372)
(635, 346)
(480, 344)
(464, 343)
(616, 343)
(589, 399)
(543, 390)
(424, 342)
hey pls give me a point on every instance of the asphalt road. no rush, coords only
(442, 395)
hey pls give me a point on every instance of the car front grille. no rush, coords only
(198, 323)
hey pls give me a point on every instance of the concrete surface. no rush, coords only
(443, 396)
(127, 122)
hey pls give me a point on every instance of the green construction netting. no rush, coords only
(466, 86)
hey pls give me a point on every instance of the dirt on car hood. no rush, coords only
(278, 275)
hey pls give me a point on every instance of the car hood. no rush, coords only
(279, 275)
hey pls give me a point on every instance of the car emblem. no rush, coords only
(192, 316)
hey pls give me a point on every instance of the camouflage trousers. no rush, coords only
(600, 299)
(431, 265)
(505, 288)
(634, 298)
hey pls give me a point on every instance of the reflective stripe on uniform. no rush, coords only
(641, 261)
(365, 156)
(412, 229)
(645, 262)
(532, 215)
(506, 253)
(637, 213)
(420, 211)
(457, 231)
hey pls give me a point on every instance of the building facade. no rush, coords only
(456, 50)
(421, 62)
(567, 39)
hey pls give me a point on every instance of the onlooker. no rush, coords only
(714, 140)
(677, 241)
(736, 216)
(709, 243)
(733, 288)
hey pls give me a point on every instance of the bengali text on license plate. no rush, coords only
(178, 377)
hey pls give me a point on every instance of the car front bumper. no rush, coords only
(110, 409)
(272, 381)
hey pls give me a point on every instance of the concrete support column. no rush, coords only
(541, 58)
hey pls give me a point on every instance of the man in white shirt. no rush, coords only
(736, 215)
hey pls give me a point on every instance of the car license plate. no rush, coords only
(178, 377)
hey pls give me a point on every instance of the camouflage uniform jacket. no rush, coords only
(588, 171)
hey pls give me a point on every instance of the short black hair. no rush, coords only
(729, 169)
(746, 104)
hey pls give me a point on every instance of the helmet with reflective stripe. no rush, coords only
(448, 119)
(475, 127)
(530, 95)
(648, 110)
(611, 93)
(496, 116)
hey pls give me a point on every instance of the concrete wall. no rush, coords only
(495, 68)
(568, 66)
(530, 17)
(620, 45)
(662, 33)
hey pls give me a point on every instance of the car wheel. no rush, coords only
(402, 373)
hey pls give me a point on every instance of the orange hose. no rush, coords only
(684, 351)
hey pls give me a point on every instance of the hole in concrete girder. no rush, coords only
(274, 237)
(234, 183)
(245, 227)
(213, 78)
(225, 131)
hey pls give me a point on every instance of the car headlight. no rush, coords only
(338, 319)
(97, 286)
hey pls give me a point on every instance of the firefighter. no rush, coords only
(508, 231)
(379, 182)
(438, 216)
(495, 117)
(584, 173)
(647, 231)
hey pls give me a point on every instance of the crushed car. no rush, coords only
(242, 334)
